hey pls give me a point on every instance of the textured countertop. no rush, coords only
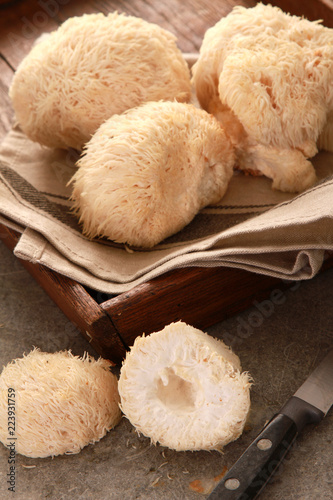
(278, 342)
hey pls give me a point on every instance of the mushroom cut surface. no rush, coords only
(184, 389)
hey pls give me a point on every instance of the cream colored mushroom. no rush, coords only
(268, 77)
(90, 68)
(184, 389)
(146, 173)
(61, 402)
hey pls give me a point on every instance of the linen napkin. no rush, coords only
(253, 227)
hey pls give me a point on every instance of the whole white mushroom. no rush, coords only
(61, 402)
(90, 68)
(146, 173)
(184, 389)
(268, 76)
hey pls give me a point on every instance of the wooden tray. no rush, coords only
(199, 296)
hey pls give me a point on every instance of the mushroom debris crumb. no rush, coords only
(268, 77)
(184, 389)
(62, 402)
(90, 68)
(146, 173)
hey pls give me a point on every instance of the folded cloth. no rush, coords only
(253, 227)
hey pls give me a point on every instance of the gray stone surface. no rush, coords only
(279, 342)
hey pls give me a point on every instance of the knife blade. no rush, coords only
(310, 403)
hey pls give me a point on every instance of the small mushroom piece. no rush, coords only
(146, 173)
(267, 76)
(90, 68)
(184, 389)
(60, 402)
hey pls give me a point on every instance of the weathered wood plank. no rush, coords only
(311, 9)
(6, 110)
(21, 24)
(187, 20)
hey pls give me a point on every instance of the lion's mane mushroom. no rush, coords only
(146, 173)
(90, 68)
(184, 389)
(268, 76)
(62, 402)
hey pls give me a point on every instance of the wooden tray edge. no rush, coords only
(112, 326)
(75, 302)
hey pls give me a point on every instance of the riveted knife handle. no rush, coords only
(253, 469)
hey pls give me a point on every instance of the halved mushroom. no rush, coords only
(184, 389)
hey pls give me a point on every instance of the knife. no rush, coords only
(310, 403)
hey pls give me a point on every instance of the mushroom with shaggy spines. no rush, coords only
(61, 402)
(270, 74)
(146, 173)
(90, 68)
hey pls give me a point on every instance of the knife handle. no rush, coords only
(253, 469)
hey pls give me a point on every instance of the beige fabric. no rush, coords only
(253, 227)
